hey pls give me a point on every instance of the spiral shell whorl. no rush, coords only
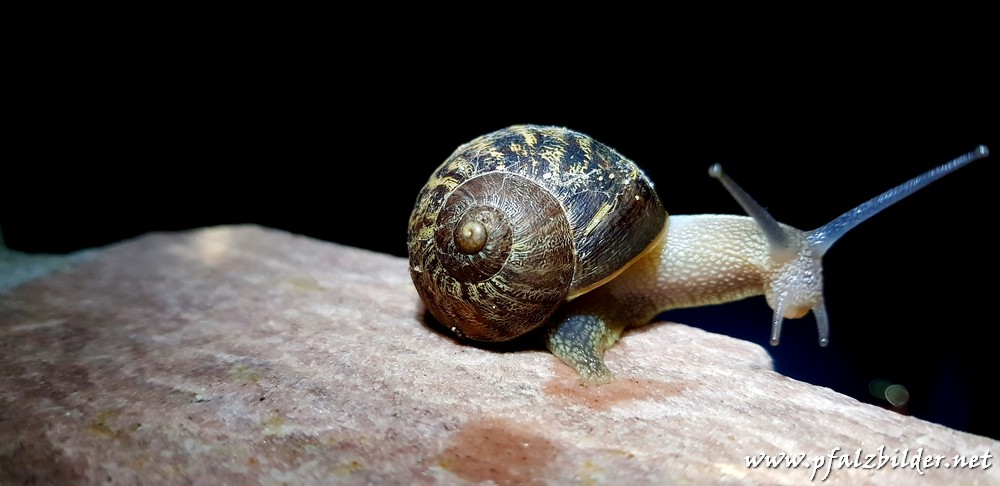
(516, 221)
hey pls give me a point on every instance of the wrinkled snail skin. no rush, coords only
(534, 226)
(704, 259)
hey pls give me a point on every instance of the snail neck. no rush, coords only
(705, 259)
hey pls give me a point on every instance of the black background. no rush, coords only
(121, 135)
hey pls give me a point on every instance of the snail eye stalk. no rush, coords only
(796, 282)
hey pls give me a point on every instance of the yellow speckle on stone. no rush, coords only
(245, 373)
(100, 424)
(304, 283)
(590, 474)
(102, 430)
(274, 423)
(621, 452)
(347, 468)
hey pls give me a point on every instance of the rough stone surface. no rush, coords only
(243, 355)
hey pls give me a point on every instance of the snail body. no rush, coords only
(537, 227)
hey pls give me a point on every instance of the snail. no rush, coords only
(537, 227)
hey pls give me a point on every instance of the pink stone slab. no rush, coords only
(245, 355)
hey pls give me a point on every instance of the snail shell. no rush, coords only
(520, 220)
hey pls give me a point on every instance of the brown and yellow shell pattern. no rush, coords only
(517, 221)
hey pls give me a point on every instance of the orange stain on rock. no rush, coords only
(497, 450)
(566, 386)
